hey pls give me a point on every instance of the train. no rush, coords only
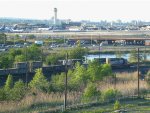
(114, 62)
(21, 68)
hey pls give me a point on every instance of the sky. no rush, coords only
(76, 10)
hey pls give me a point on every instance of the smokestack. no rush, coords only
(55, 16)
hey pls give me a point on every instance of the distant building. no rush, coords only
(55, 16)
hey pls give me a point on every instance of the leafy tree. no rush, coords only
(3, 38)
(6, 61)
(119, 54)
(39, 81)
(52, 59)
(91, 92)
(79, 74)
(20, 58)
(77, 78)
(106, 70)
(94, 71)
(2, 94)
(8, 88)
(33, 52)
(14, 52)
(110, 94)
(58, 82)
(18, 90)
(134, 56)
(8, 83)
(77, 52)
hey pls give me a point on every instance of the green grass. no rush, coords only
(132, 106)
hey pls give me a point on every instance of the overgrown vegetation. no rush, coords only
(80, 89)
(95, 83)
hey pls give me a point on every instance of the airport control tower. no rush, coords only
(55, 16)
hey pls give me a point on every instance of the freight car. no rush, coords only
(21, 68)
(114, 62)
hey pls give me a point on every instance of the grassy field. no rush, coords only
(131, 106)
(126, 83)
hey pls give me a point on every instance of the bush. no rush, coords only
(77, 52)
(117, 105)
(110, 94)
(20, 58)
(90, 92)
(2, 94)
(18, 91)
(39, 81)
(52, 59)
(8, 83)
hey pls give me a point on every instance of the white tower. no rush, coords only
(55, 16)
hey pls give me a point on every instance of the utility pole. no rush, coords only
(66, 70)
(26, 63)
(138, 73)
(64, 40)
(91, 39)
(115, 81)
(42, 54)
(99, 49)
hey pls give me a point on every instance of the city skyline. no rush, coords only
(93, 10)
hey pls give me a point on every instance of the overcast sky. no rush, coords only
(94, 10)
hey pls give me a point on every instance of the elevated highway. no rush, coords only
(95, 35)
(129, 37)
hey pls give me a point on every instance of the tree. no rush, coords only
(6, 61)
(58, 82)
(91, 92)
(106, 70)
(2, 94)
(52, 59)
(79, 74)
(119, 54)
(18, 90)
(14, 52)
(77, 52)
(3, 38)
(20, 58)
(133, 57)
(39, 81)
(8, 83)
(33, 52)
(94, 71)
(110, 94)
